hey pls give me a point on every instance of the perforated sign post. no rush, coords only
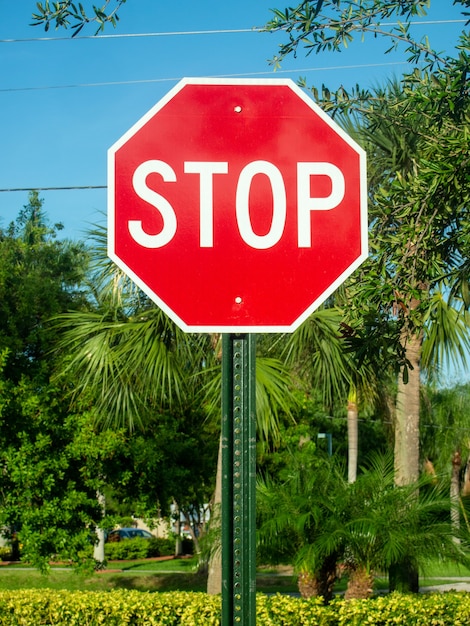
(238, 206)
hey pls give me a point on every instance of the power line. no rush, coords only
(226, 31)
(241, 75)
(72, 187)
(254, 29)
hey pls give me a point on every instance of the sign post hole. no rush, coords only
(238, 479)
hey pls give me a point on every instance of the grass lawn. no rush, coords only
(146, 575)
(179, 566)
(179, 575)
(445, 570)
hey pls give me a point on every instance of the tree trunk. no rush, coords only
(407, 416)
(98, 551)
(404, 577)
(190, 523)
(308, 585)
(178, 542)
(360, 585)
(214, 579)
(353, 436)
(455, 494)
(320, 583)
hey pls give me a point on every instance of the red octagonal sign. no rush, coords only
(237, 205)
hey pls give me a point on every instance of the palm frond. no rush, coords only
(319, 354)
(447, 335)
(127, 367)
(274, 394)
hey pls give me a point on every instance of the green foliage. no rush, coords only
(130, 364)
(139, 548)
(319, 25)
(293, 509)
(48, 498)
(66, 13)
(445, 414)
(382, 524)
(47, 501)
(54, 461)
(39, 277)
(415, 132)
(115, 607)
(32, 607)
(312, 515)
(419, 211)
(316, 352)
(144, 377)
(161, 546)
(129, 549)
(6, 554)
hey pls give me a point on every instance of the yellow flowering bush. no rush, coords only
(39, 607)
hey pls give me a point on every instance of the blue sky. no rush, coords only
(64, 102)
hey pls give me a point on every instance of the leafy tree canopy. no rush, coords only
(39, 277)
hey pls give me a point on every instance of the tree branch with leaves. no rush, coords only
(68, 14)
(331, 25)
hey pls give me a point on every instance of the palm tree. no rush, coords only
(387, 525)
(417, 215)
(292, 510)
(413, 243)
(369, 526)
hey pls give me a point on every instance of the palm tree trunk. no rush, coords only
(407, 415)
(308, 585)
(98, 551)
(353, 436)
(214, 579)
(321, 582)
(360, 585)
(455, 493)
(404, 575)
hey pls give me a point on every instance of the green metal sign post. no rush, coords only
(238, 480)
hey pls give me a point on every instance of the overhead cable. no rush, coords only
(70, 188)
(240, 75)
(138, 35)
(226, 31)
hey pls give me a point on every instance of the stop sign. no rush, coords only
(237, 205)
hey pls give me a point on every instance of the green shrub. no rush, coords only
(66, 608)
(139, 548)
(5, 553)
(161, 546)
(114, 608)
(128, 549)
